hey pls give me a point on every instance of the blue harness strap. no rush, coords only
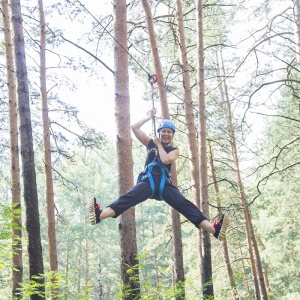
(147, 173)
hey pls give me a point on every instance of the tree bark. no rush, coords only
(66, 287)
(35, 256)
(17, 270)
(87, 252)
(176, 226)
(226, 258)
(156, 265)
(206, 263)
(245, 273)
(47, 151)
(127, 227)
(269, 290)
(260, 288)
(100, 286)
(190, 122)
(162, 92)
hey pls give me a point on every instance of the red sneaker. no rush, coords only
(221, 227)
(94, 211)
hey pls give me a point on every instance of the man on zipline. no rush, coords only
(154, 182)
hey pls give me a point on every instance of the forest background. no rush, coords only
(251, 62)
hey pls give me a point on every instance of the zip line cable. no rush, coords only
(153, 77)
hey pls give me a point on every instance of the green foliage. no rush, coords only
(34, 287)
(5, 239)
(54, 285)
(151, 290)
(6, 245)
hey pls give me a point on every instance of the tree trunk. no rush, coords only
(265, 269)
(226, 258)
(190, 121)
(162, 92)
(157, 281)
(245, 273)
(145, 272)
(206, 263)
(267, 281)
(261, 291)
(176, 226)
(127, 227)
(257, 260)
(35, 256)
(87, 251)
(79, 273)
(224, 96)
(66, 287)
(47, 152)
(17, 270)
(100, 287)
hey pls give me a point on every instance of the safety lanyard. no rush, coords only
(152, 78)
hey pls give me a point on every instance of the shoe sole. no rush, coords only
(224, 227)
(91, 209)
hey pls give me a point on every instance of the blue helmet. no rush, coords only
(166, 124)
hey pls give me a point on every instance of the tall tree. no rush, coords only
(206, 263)
(35, 256)
(47, 149)
(260, 288)
(17, 270)
(225, 249)
(127, 227)
(190, 120)
(176, 226)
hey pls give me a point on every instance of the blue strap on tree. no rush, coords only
(147, 173)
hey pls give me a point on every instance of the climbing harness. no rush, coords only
(147, 173)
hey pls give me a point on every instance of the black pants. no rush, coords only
(171, 195)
